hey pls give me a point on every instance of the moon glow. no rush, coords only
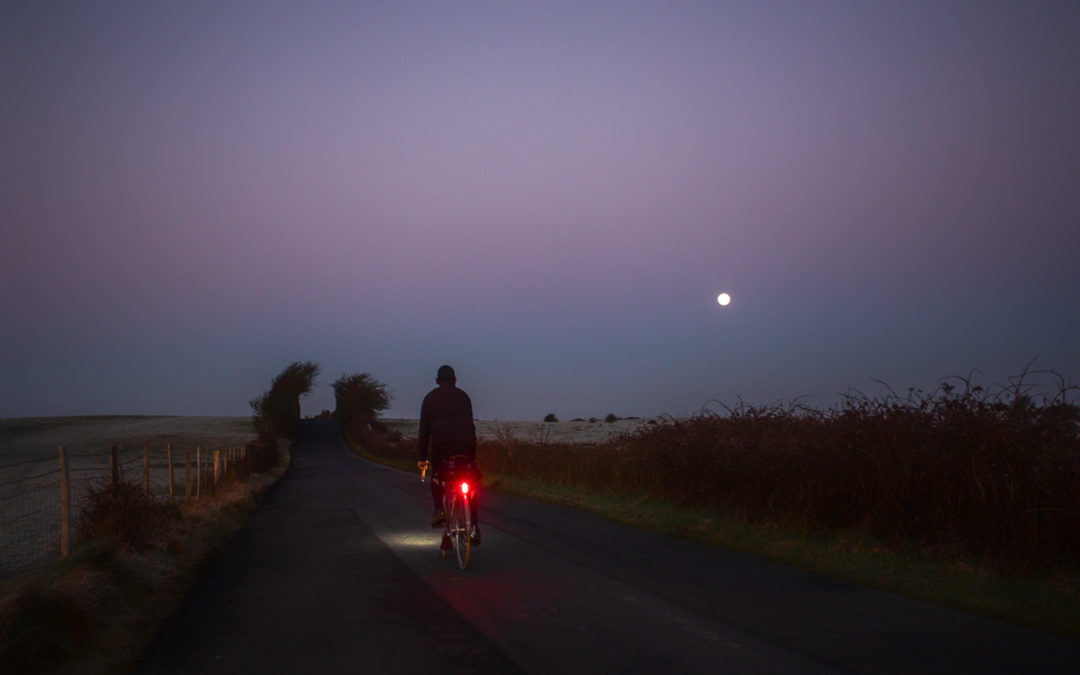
(724, 299)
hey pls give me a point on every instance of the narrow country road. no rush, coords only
(338, 572)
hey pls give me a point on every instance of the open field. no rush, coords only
(538, 432)
(30, 472)
(31, 438)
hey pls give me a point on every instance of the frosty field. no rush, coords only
(548, 432)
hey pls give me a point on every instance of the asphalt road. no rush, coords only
(338, 571)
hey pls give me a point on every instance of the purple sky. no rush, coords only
(549, 198)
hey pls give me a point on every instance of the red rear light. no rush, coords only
(464, 488)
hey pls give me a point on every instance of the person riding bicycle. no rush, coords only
(446, 429)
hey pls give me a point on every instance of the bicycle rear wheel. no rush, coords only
(447, 540)
(460, 530)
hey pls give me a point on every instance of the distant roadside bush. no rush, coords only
(359, 399)
(276, 413)
(550, 417)
(964, 472)
(359, 396)
(611, 417)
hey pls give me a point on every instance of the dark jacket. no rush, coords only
(446, 421)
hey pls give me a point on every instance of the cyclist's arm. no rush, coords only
(423, 443)
(472, 427)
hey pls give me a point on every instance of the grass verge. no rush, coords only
(96, 611)
(1047, 602)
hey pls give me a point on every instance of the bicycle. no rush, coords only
(459, 478)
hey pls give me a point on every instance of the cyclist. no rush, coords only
(446, 428)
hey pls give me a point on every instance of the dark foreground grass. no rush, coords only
(96, 611)
(967, 498)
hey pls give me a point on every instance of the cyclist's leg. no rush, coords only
(474, 500)
(437, 491)
(437, 485)
(437, 494)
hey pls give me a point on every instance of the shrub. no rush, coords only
(276, 413)
(550, 417)
(358, 400)
(959, 474)
(122, 512)
(611, 418)
(361, 397)
(261, 457)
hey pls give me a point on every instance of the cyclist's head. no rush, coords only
(445, 374)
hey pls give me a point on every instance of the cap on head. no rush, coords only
(445, 374)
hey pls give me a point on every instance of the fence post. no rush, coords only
(217, 467)
(168, 456)
(114, 465)
(65, 506)
(198, 472)
(146, 468)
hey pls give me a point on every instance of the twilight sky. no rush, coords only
(547, 196)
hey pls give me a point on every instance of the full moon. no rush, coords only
(724, 299)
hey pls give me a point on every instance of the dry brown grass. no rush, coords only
(964, 475)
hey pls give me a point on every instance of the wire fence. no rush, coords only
(43, 501)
